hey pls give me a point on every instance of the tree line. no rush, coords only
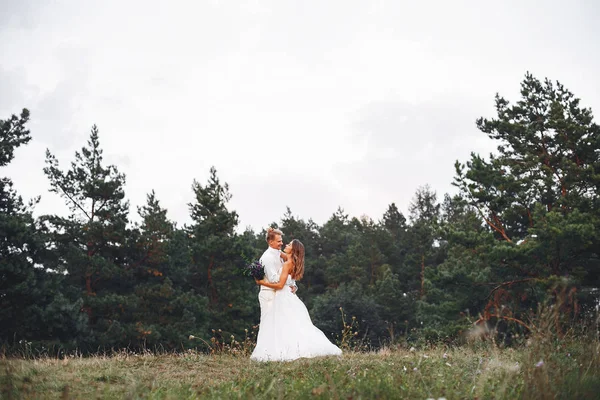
(522, 231)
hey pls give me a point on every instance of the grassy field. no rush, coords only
(538, 371)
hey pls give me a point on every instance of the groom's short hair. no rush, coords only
(271, 233)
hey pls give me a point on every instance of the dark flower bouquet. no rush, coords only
(254, 269)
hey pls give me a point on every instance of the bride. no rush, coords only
(286, 332)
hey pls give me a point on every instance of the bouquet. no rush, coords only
(255, 269)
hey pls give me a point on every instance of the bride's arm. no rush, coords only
(282, 278)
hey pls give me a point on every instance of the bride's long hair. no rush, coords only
(297, 271)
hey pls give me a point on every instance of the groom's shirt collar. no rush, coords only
(272, 250)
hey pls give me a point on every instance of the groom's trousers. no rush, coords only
(265, 298)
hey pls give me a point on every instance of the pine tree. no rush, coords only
(165, 309)
(155, 233)
(453, 289)
(421, 239)
(217, 256)
(29, 294)
(18, 276)
(337, 236)
(538, 195)
(91, 243)
(394, 247)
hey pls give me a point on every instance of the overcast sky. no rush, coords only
(306, 104)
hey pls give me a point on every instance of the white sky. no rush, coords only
(306, 104)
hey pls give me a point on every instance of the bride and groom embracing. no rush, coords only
(286, 331)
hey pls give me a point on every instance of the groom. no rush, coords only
(273, 262)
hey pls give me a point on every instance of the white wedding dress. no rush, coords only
(287, 333)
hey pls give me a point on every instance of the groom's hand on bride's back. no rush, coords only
(294, 289)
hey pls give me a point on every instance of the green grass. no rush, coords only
(570, 370)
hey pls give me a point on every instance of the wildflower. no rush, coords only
(539, 364)
(445, 356)
(192, 337)
(404, 368)
(412, 349)
(415, 369)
